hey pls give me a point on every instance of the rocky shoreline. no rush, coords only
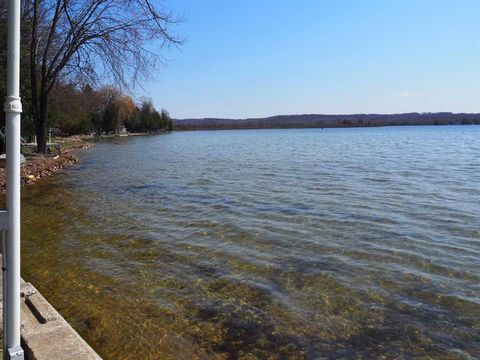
(37, 166)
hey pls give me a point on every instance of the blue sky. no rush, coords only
(256, 58)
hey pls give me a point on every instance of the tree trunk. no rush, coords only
(40, 132)
(41, 123)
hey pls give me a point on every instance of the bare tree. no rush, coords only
(94, 41)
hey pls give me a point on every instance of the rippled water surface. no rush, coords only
(278, 244)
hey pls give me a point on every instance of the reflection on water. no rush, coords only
(279, 244)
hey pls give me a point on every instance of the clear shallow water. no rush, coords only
(278, 244)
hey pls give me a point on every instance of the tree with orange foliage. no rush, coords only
(126, 109)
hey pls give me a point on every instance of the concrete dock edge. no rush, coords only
(45, 334)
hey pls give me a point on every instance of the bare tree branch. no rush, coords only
(93, 40)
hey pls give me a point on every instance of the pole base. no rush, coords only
(15, 353)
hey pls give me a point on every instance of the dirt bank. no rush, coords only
(37, 166)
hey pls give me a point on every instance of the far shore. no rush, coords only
(310, 121)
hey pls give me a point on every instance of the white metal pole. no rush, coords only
(13, 108)
(4, 276)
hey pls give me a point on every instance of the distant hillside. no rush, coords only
(328, 121)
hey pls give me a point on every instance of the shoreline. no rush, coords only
(37, 166)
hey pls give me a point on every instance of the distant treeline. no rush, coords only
(328, 121)
(85, 110)
(107, 110)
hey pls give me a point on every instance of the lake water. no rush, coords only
(278, 244)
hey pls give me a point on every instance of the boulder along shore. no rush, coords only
(37, 166)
